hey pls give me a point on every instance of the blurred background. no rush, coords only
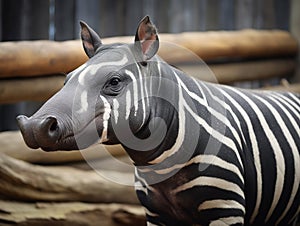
(59, 20)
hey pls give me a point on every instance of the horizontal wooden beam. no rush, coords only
(25, 181)
(70, 213)
(13, 145)
(36, 58)
(42, 88)
(29, 89)
(230, 45)
(242, 71)
(295, 88)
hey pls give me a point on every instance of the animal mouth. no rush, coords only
(89, 134)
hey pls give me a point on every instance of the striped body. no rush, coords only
(253, 178)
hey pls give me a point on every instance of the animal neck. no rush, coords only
(165, 111)
(159, 132)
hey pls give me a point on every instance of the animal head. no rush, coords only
(111, 88)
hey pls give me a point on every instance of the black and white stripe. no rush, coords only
(253, 178)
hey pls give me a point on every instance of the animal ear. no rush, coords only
(146, 38)
(90, 39)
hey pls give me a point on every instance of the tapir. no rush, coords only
(205, 154)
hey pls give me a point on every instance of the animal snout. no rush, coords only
(43, 133)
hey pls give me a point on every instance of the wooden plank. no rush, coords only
(13, 145)
(190, 12)
(46, 57)
(243, 71)
(257, 70)
(35, 20)
(12, 12)
(150, 8)
(283, 14)
(230, 45)
(202, 12)
(64, 20)
(162, 18)
(1, 20)
(295, 88)
(87, 11)
(25, 181)
(132, 15)
(295, 29)
(184, 16)
(194, 16)
(212, 15)
(227, 15)
(111, 18)
(265, 17)
(244, 14)
(42, 88)
(70, 213)
(40, 57)
(34, 89)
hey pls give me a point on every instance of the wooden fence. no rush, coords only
(58, 20)
(34, 67)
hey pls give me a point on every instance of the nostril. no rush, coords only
(38, 132)
(50, 129)
(54, 126)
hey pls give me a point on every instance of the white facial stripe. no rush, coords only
(78, 70)
(128, 104)
(83, 102)
(92, 69)
(135, 90)
(106, 116)
(116, 106)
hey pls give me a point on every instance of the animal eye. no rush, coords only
(114, 81)
(113, 86)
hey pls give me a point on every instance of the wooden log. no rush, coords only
(294, 88)
(13, 145)
(243, 71)
(214, 45)
(24, 181)
(48, 57)
(44, 87)
(27, 58)
(72, 213)
(33, 89)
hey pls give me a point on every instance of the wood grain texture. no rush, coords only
(13, 145)
(49, 57)
(25, 181)
(71, 213)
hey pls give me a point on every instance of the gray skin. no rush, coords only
(66, 122)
